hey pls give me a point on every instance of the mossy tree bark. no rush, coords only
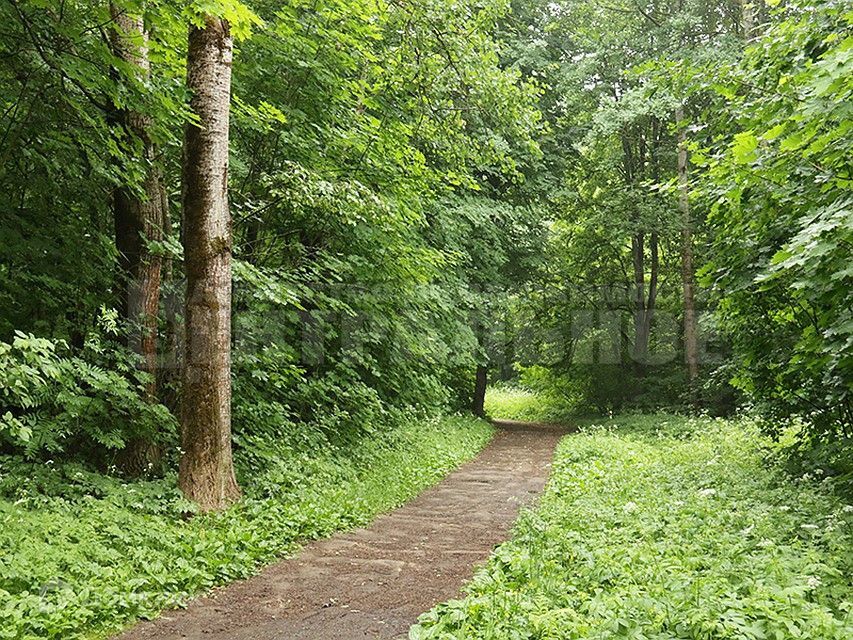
(206, 473)
(139, 217)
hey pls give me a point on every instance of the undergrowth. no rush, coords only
(663, 527)
(517, 403)
(82, 554)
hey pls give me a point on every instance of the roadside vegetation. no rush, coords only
(658, 527)
(84, 554)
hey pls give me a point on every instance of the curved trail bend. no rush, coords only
(375, 582)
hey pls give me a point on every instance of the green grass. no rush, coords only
(662, 527)
(82, 554)
(516, 403)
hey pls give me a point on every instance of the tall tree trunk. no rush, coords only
(638, 253)
(654, 273)
(747, 12)
(691, 348)
(138, 217)
(206, 473)
(253, 229)
(479, 403)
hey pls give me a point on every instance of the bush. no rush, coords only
(778, 184)
(52, 400)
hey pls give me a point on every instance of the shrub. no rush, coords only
(52, 400)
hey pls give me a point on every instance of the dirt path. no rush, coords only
(374, 582)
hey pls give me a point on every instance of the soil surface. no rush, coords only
(375, 582)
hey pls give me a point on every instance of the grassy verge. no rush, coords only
(83, 554)
(661, 527)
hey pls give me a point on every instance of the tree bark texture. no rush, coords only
(138, 216)
(206, 473)
(747, 8)
(172, 348)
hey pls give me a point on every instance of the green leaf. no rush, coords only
(744, 147)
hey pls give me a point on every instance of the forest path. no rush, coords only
(374, 582)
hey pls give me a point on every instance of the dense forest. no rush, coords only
(261, 261)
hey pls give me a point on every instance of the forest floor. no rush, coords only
(374, 582)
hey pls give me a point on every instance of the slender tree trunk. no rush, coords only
(479, 404)
(638, 261)
(253, 230)
(596, 327)
(509, 348)
(651, 303)
(641, 334)
(644, 305)
(138, 220)
(747, 12)
(691, 348)
(206, 473)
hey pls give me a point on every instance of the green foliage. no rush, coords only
(54, 401)
(358, 127)
(349, 206)
(609, 190)
(778, 175)
(767, 121)
(662, 527)
(240, 17)
(84, 554)
(418, 189)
